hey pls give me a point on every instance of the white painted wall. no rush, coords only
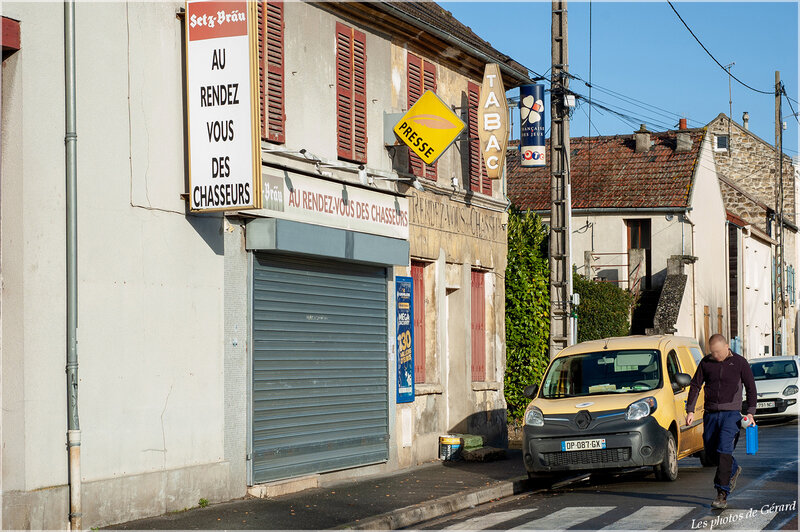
(607, 233)
(150, 278)
(310, 84)
(708, 216)
(756, 295)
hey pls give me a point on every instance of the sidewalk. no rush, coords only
(400, 499)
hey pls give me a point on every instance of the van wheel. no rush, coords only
(705, 460)
(667, 470)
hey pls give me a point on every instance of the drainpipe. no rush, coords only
(71, 141)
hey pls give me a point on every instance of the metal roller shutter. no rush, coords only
(320, 369)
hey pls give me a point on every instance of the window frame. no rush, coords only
(716, 142)
(271, 69)
(478, 359)
(420, 352)
(351, 93)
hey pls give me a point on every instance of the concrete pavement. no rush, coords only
(402, 499)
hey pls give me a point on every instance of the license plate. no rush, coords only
(583, 445)
(765, 404)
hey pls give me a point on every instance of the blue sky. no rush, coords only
(642, 50)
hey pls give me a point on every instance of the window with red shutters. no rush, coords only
(351, 94)
(420, 77)
(417, 274)
(478, 322)
(270, 71)
(429, 78)
(478, 180)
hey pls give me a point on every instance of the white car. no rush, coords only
(777, 385)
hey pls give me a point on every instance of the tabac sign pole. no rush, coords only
(493, 121)
(223, 105)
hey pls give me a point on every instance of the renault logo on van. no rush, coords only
(582, 419)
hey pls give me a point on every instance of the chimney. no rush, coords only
(682, 124)
(642, 140)
(746, 120)
(684, 142)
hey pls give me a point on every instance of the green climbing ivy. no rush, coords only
(527, 308)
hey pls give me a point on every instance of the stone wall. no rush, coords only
(753, 166)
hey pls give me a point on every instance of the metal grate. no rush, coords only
(596, 456)
(320, 369)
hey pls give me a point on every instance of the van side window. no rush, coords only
(697, 354)
(673, 369)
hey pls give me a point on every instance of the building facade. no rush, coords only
(244, 350)
(647, 215)
(748, 169)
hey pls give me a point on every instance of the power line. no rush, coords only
(783, 90)
(635, 102)
(711, 56)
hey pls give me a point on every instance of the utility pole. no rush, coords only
(561, 197)
(779, 267)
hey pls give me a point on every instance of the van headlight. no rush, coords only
(641, 408)
(534, 417)
(790, 390)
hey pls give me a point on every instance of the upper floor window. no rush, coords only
(478, 180)
(420, 77)
(351, 94)
(270, 71)
(721, 142)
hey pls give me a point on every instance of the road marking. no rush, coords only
(650, 518)
(485, 522)
(735, 520)
(565, 518)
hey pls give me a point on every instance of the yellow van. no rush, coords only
(615, 404)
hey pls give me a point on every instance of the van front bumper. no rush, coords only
(628, 444)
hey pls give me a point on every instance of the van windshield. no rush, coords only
(604, 372)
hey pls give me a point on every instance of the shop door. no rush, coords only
(320, 369)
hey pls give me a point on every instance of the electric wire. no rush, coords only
(712, 57)
(789, 100)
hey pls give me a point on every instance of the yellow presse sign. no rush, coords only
(429, 127)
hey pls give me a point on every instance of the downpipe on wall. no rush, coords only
(71, 142)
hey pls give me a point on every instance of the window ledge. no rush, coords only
(486, 385)
(428, 389)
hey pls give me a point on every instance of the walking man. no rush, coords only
(723, 373)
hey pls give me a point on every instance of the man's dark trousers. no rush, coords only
(720, 435)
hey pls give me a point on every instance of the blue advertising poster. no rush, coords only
(405, 339)
(531, 113)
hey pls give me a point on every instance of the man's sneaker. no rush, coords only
(734, 477)
(721, 502)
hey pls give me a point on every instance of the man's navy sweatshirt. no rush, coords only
(723, 384)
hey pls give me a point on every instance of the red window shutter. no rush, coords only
(417, 274)
(478, 319)
(344, 91)
(262, 81)
(414, 91)
(429, 73)
(359, 97)
(473, 99)
(275, 114)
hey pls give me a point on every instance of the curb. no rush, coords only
(425, 511)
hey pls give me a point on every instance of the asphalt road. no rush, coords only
(765, 497)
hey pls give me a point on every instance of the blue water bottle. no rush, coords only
(751, 434)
